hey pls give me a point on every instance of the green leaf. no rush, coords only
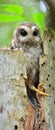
(11, 13)
(39, 18)
(15, 9)
(10, 18)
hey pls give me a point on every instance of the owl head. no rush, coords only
(26, 34)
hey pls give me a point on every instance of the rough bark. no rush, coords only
(12, 89)
(47, 77)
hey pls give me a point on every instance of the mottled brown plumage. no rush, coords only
(27, 36)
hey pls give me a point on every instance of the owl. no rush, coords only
(27, 36)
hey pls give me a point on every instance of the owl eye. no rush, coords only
(23, 32)
(35, 32)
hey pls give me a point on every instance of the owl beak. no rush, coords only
(30, 38)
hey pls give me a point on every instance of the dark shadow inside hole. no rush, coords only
(48, 75)
(16, 127)
(49, 40)
(49, 85)
(47, 79)
(44, 63)
(43, 120)
(54, 102)
(24, 96)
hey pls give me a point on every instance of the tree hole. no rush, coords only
(43, 64)
(54, 102)
(47, 79)
(49, 40)
(49, 85)
(16, 127)
(48, 75)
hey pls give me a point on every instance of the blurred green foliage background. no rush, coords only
(14, 12)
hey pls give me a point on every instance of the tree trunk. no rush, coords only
(12, 89)
(47, 77)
